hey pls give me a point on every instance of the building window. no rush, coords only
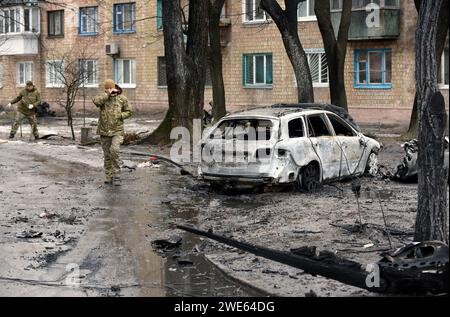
(87, 24)
(124, 17)
(31, 20)
(25, 72)
(362, 4)
(252, 11)
(443, 76)
(317, 60)
(373, 68)
(162, 73)
(125, 72)
(257, 70)
(159, 24)
(56, 23)
(10, 21)
(305, 11)
(88, 72)
(54, 74)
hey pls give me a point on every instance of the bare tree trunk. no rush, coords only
(441, 38)
(335, 49)
(186, 67)
(432, 213)
(286, 21)
(215, 54)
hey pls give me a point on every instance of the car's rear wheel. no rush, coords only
(372, 165)
(309, 178)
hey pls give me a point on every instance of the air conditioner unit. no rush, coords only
(112, 49)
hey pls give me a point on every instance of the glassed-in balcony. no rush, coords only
(19, 28)
(371, 19)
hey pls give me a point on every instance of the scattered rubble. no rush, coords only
(29, 234)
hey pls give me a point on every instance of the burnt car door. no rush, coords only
(351, 148)
(324, 145)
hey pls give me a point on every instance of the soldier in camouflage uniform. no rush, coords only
(28, 99)
(114, 109)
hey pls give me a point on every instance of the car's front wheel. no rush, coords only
(372, 165)
(309, 177)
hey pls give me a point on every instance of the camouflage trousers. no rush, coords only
(111, 154)
(31, 119)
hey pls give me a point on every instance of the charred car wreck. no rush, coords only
(407, 171)
(303, 144)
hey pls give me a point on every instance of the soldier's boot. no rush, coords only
(12, 135)
(36, 136)
(108, 180)
(117, 181)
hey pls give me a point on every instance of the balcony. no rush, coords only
(385, 24)
(225, 31)
(19, 44)
(19, 28)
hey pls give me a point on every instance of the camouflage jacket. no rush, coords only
(113, 111)
(26, 98)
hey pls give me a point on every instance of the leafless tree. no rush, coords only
(215, 55)
(432, 212)
(287, 23)
(186, 66)
(441, 38)
(67, 71)
(335, 48)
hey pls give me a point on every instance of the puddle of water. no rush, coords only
(128, 225)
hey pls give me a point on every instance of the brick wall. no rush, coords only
(146, 44)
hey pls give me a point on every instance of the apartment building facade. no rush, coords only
(124, 40)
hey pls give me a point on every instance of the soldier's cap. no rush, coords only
(110, 84)
(30, 83)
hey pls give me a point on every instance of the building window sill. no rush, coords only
(54, 86)
(381, 86)
(88, 34)
(127, 86)
(124, 32)
(307, 19)
(258, 87)
(443, 87)
(255, 22)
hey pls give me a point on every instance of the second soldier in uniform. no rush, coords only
(28, 100)
(114, 109)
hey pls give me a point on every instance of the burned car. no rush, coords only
(305, 144)
(407, 171)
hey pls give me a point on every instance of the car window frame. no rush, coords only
(355, 133)
(274, 133)
(327, 124)
(305, 131)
